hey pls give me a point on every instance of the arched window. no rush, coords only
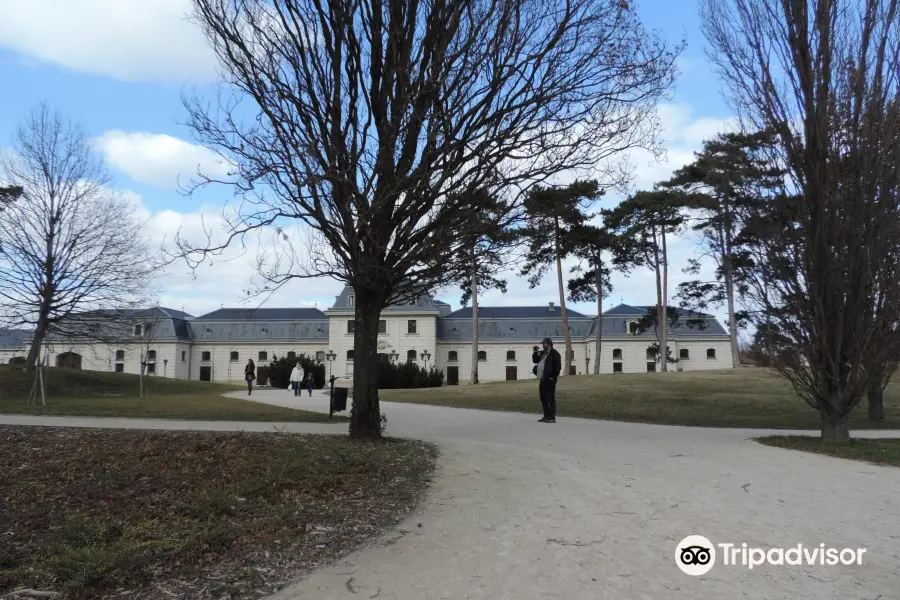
(411, 356)
(320, 356)
(651, 353)
(451, 356)
(120, 355)
(235, 357)
(482, 355)
(617, 354)
(263, 356)
(710, 353)
(684, 354)
(633, 327)
(151, 355)
(349, 354)
(510, 355)
(204, 356)
(68, 360)
(292, 355)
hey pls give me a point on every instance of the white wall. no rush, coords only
(395, 339)
(223, 369)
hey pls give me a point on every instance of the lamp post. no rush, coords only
(394, 356)
(330, 357)
(425, 356)
(165, 366)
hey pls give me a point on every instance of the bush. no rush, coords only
(280, 370)
(408, 375)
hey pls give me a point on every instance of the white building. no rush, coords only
(216, 346)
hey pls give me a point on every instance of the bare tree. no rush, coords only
(71, 246)
(371, 122)
(823, 75)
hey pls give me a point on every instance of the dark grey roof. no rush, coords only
(626, 310)
(114, 325)
(264, 314)
(510, 329)
(686, 327)
(259, 331)
(14, 338)
(342, 303)
(444, 308)
(515, 312)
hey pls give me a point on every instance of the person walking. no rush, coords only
(296, 378)
(309, 383)
(249, 375)
(548, 365)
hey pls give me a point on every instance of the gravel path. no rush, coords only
(583, 509)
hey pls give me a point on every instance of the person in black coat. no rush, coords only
(547, 367)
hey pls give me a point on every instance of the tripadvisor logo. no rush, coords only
(696, 555)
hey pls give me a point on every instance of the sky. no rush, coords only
(119, 68)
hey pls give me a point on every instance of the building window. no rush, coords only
(292, 355)
(651, 367)
(120, 368)
(482, 356)
(617, 367)
(235, 357)
(617, 354)
(710, 353)
(151, 367)
(411, 356)
(138, 330)
(183, 355)
(633, 327)
(204, 356)
(263, 356)
(411, 326)
(151, 355)
(510, 355)
(120, 355)
(320, 356)
(451, 356)
(382, 326)
(351, 300)
(349, 354)
(351, 326)
(684, 354)
(651, 354)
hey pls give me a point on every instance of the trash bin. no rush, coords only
(339, 399)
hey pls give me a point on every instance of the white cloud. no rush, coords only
(132, 40)
(158, 159)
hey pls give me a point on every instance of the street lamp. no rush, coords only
(165, 366)
(425, 356)
(330, 357)
(394, 356)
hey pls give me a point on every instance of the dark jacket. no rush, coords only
(553, 366)
(249, 373)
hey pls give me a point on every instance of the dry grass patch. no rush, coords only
(876, 451)
(111, 513)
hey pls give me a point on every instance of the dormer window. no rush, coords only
(633, 328)
(351, 300)
(138, 330)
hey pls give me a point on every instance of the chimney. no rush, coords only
(552, 307)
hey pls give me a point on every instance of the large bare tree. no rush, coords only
(371, 122)
(823, 75)
(72, 248)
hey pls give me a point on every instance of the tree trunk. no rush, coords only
(473, 376)
(664, 341)
(365, 413)
(562, 302)
(599, 332)
(732, 320)
(835, 430)
(37, 341)
(660, 316)
(876, 403)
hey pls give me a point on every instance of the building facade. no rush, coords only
(216, 346)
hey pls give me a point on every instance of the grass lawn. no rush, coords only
(159, 515)
(880, 452)
(97, 394)
(752, 398)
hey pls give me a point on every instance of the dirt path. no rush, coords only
(521, 510)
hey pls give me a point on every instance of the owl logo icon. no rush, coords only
(695, 555)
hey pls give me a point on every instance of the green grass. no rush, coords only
(91, 393)
(751, 398)
(880, 452)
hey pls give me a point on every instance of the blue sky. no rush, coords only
(119, 68)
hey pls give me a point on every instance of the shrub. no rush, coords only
(408, 375)
(280, 370)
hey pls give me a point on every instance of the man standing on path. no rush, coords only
(548, 365)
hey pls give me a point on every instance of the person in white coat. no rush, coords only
(296, 379)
